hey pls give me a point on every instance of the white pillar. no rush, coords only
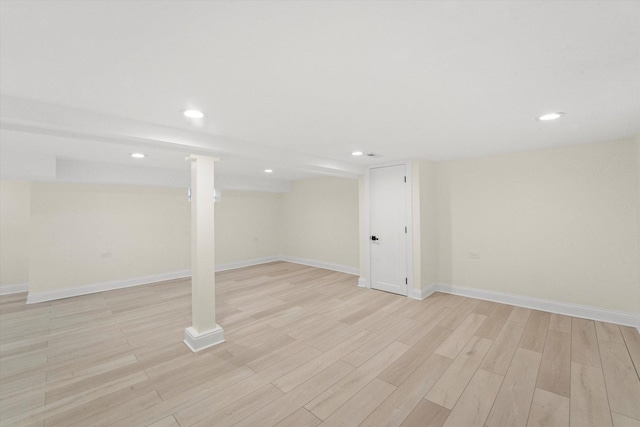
(204, 332)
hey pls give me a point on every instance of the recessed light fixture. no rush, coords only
(550, 116)
(138, 155)
(193, 114)
(268, 171)
(357, 153)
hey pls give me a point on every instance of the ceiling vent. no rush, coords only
(372, 155)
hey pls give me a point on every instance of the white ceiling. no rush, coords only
(302, 84)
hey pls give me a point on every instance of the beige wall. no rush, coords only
(87, 234)
(14, 232)
(428, 223)
(247, 226)
(145, 230)
(71, 235)
(363, 237)
(416, 227)
(558, 224)
(638, 209)
(320, 221)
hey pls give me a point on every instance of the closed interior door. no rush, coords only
(388, 238)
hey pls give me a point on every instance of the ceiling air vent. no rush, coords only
(372, 155)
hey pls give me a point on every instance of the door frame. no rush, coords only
(409, 220)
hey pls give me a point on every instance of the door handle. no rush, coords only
(374, 238)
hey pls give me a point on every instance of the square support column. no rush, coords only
(204, 332)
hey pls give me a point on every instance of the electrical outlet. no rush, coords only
(474, 255)
(106, 255)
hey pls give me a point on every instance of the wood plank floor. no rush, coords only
(307, 347)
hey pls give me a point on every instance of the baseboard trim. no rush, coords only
(423, 293)
(200, 341)
(363, 282)
(568, 309)
(36, 297)
(321, 264)
(247, 263)
(15, 288)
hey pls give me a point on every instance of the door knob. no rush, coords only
(374, 238)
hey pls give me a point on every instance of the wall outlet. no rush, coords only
(106, 255)
(474, 255)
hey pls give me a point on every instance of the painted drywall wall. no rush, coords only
(15, 200)
(247, 226)
(88, 234)
(320, 221)
(363, 237)
(557, 224)
(428, 224)
(415, 287)
(91, 234)
(637, 139)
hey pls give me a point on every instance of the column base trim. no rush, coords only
(200, 341)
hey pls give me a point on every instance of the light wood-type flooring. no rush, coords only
(307, 347)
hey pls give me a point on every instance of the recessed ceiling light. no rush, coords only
(268, 171)
(550, 116)
(357, 153)
(138, 155)
(193, 114)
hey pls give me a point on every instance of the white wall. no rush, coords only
(88, 234)
(247, 226)
(15, 202)
(320, 221)
(557, 224)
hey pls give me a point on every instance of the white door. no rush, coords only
(388, 232)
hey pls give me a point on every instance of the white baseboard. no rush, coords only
(574, 310)
(247, 263)
(363, 282)
(423, 293)
(199, 341)
(321, 264)
(15, 288)
(35, 297)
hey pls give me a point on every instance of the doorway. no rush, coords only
(389, 211)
